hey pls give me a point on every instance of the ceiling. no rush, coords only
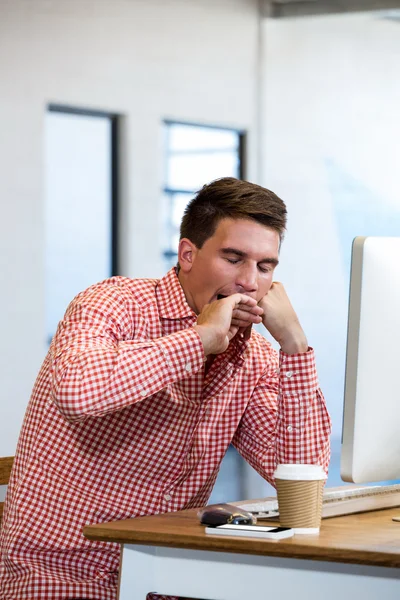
(302, 8)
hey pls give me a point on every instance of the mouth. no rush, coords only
(220, 296)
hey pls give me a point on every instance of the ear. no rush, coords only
(186, 254)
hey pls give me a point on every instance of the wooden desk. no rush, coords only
(354, 557)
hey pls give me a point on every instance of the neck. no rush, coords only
(184, 283)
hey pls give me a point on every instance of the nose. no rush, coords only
(247, 278)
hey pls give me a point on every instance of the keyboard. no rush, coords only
(336, 501)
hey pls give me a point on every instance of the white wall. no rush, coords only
(331, 149)
(145, 59)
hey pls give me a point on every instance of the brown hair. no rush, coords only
(235, 199)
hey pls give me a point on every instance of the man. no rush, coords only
(146, 384)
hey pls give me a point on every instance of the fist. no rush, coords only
(220, 321)
(280, 319)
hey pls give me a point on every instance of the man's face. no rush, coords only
(240, 257)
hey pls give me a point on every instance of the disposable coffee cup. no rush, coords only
(299, 489)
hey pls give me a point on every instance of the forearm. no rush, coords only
(303, 430)
(97, 378)
(294, 342)
(287, 420)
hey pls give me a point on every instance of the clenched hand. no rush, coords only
(220, 321)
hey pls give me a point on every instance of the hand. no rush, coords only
(281, 320)
(221, 320)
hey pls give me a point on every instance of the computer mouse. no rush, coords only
(223, 514)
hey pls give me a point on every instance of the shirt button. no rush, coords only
(290, 428)
(167, 497)
(289, 374)
(143, 393)
(188, 367)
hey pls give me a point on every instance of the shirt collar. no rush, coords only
(172, 304)
(171, 300)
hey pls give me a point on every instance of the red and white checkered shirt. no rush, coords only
(123, 421)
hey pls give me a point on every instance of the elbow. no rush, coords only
(70, 409)
(71, 401)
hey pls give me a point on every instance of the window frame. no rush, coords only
(169, 254)
(114, 171)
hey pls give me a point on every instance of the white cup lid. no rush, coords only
(299, 472)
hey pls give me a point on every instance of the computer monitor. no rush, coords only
(371, 420)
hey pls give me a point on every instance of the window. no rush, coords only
(195, 155)
(80, 204)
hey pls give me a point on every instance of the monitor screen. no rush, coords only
(371, 419)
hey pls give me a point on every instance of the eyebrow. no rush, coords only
(241, 254)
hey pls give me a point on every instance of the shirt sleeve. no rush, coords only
(286, 420)
(101, 360)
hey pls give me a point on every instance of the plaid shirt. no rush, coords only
(123, 421)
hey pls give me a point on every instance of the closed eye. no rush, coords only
(267, 269)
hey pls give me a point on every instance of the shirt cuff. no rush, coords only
(183, 352)
(298, 373)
